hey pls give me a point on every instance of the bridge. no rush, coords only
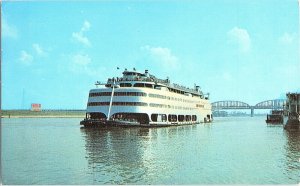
(269, 104)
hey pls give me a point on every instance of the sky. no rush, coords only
(53, 52)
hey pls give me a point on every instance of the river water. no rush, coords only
(241, 150)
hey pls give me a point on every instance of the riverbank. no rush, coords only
(43, 114)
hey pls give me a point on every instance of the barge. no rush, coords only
(276, 117)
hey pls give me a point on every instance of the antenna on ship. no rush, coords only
(146, 73)
(197, 87)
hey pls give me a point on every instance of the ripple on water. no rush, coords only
(228, 151)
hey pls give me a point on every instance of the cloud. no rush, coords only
(39, 50)
(80, 63)
(8, 30)
(26, 58)
(86, 26)
(241, 37)
(80, 37)
(163, 56)
(287, 38)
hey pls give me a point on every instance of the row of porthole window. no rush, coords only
(172, 118)
(171, 98)
(138, 104)
(94, 94)
(118, 104)
(169, 106)
(147, 85)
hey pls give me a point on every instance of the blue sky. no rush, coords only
(53, 52)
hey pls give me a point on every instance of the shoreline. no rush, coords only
(43, 114)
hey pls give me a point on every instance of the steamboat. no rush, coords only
(293, 111)
(141, 99)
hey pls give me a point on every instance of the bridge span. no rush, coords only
(230, 104)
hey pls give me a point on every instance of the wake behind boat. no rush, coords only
(141, 99)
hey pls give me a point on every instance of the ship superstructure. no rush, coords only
(142, 99)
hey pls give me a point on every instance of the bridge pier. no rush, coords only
(252, 111)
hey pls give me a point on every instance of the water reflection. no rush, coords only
(292, 148)
(130, 155)
(113, 153)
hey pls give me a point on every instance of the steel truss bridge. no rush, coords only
(269, 104)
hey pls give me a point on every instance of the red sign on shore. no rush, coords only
(36, 107)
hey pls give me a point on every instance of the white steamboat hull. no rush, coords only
(145, 107)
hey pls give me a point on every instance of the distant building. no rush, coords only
(36, 107)
(220, 113)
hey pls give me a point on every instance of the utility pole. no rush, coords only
(299, 33)
(23, 99)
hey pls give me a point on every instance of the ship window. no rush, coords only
(104, 94)
(120, 94)
(208, 116)
(169, 117)
(188, 118)
(148, 85)
(180, 117)
(194, 117)
(133, 117)
(157, 96)
(131, 93)
(154, 117)
(158, 105)
(163, 117)
(159, 117)
(157, 87)
(125, 85)
(141, 94)
(97, 115)
(172, 118)
(128, 73)
(139, 85)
